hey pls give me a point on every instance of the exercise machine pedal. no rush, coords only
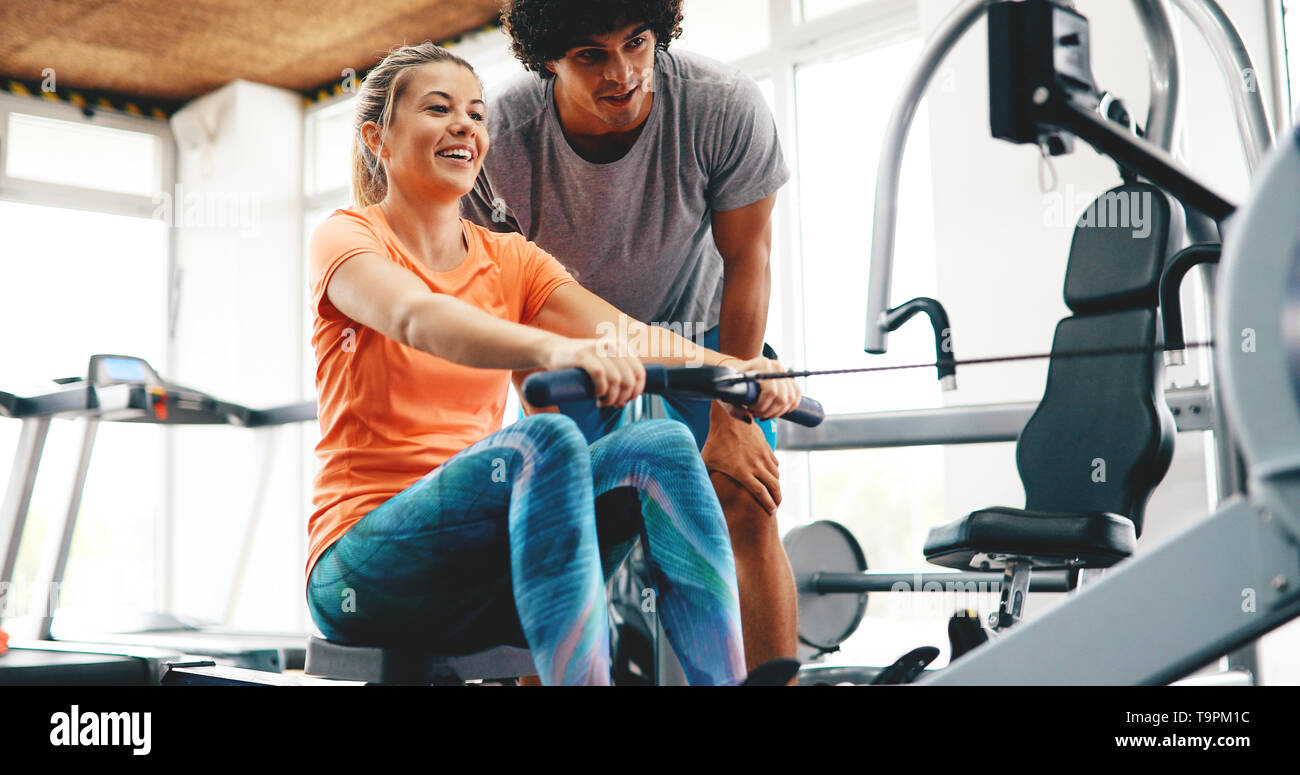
(908, 667)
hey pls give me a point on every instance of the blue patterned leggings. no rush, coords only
(510, 542)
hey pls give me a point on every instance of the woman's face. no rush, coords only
(437, 134)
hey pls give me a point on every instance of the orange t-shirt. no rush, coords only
(390, 414)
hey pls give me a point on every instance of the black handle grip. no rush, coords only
(549, 388)
(808, 413)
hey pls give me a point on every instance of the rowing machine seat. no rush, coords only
(396, 665)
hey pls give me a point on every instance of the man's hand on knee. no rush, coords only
(739, 450)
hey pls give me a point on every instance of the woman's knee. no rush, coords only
(547, 422)
(554, 433)
(666, 441)
(551, 450)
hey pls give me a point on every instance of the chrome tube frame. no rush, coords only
(885, 219)
(1230, 53)
(1163, 60)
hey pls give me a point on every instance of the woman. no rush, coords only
(432, 526)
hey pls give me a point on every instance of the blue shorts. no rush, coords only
(596, 422)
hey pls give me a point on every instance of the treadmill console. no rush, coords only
(121, 370)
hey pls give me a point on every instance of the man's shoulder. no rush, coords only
(700, 75)
(517, 104)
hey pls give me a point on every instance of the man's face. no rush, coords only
(609, 76)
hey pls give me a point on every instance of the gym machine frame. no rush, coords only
(1163, 59)
(1150, 620)
(1194, 408)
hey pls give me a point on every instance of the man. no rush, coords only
(652, 176)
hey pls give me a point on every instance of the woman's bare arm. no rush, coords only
(385, 297)
(572, 310)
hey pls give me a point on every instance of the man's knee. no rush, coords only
(745, 515)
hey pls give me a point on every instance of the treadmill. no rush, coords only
(121, 388)
(31, 661)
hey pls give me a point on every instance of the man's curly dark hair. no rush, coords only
(543, 31)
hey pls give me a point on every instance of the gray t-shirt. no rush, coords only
(637, 231)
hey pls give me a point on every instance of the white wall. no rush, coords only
(238, 335)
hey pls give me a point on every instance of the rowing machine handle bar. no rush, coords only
(548, 388)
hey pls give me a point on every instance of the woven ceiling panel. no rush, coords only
(180, 49)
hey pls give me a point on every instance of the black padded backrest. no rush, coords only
(1102, 436)
(1118, 252)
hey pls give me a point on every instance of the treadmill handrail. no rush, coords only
(109, 402)
(78, 401)
(303, 411)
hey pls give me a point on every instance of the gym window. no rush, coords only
(815, 9)
(82, 154)
(329, 144)
(837, 167)
(726, 30)
(85, 268)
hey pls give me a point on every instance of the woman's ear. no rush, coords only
(373, 137)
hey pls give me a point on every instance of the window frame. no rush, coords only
(796, 43)
(81, 198)
(70, 197)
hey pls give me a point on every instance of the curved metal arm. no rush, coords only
(1243, 79)
(950, 30)
(1166, 76)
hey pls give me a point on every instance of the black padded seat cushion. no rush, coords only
(1094, 539)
